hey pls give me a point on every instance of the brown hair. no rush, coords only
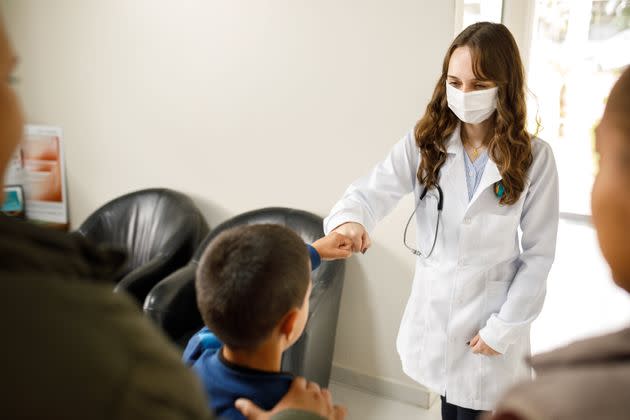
(248, 278)
(495, 57)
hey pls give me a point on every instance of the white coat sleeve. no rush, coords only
(370, 198)
(539, 224)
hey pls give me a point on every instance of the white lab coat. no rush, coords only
(477, 280)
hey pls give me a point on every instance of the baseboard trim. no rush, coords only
(387, 388)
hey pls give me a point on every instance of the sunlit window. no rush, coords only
(578, 50)
(480, 11)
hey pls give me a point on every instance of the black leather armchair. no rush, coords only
(172, 302)
(159, 229)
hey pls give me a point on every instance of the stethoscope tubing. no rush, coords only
(437, 223)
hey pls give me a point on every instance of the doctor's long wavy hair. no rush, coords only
(495, 57)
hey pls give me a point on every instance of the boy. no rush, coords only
(253, 288)
(590, 379)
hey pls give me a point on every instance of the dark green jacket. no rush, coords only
(72, 349)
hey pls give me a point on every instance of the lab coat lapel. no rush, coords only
(453, 175)
(490, 176)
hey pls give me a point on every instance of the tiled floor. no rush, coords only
(366, 406)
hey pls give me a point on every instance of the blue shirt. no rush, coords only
(226, 382)
(474, 171)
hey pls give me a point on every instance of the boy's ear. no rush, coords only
(287, 325)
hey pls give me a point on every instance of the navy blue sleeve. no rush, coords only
(316, 260)
(203, 340)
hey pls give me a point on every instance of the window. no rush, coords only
(468, 12)
(578, 50)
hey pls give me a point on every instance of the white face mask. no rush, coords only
(472, 107)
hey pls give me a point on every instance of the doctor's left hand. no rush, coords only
(479, 346)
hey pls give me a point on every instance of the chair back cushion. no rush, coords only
(147, 223)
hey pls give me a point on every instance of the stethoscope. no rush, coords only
(440, 205)
(499, 191)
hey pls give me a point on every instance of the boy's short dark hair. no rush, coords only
(248, 278)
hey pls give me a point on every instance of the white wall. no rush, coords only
(241, 104)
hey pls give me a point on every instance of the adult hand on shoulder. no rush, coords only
(333, 246)
(358, 235)
(302, 395)
(479, 346)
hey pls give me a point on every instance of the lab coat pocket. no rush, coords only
(496, 376)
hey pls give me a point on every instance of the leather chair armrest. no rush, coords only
(311, 355)
(139, 282)
(172, 304)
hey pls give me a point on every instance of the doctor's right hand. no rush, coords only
(358, 235)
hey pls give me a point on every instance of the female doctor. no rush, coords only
(476, 175)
